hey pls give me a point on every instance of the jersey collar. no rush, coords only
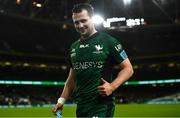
(91, 37)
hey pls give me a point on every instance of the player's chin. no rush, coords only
(83, 33)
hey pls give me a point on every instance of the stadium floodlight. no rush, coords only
(38, 5)
(142, 21)
(97, 19)
(137, 21)
(18, 2)
(108, 21)
(130, 22)
(127, 2)
(7, 63)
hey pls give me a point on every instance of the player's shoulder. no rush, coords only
(107, 37)
(74, 44)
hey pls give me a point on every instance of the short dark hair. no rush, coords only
(83, 6)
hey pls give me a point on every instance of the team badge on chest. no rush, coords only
(98, 49)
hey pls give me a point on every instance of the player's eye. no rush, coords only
(76, 22)
(83, 21)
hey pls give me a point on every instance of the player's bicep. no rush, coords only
(125, 64)
(117, 52)
(71, 75)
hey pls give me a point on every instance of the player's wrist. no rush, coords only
(61, 100)
(112, 88)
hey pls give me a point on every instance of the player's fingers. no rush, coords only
(100, 87)
(54, 109)
(104, 81)
(102, 92)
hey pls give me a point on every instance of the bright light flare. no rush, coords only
(18, 2)
(38, 5)
(127, 2)
(97, 19)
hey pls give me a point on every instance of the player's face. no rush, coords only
(83, 23)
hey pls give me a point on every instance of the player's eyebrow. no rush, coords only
(82, 21)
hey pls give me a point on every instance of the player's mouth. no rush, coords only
(82, 30)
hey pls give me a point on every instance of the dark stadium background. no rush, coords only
(34, 45)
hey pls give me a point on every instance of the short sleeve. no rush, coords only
(69, 61)
(117, 52)
(69, 58)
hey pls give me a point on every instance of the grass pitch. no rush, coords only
(122, 110)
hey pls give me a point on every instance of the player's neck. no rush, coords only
(87, 36)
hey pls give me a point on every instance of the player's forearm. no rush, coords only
(68, 89)
(122, 76)
(69, 86)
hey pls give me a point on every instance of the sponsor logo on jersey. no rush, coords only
(84, 46)
(87, 65)
(99, 49)
(118, 47)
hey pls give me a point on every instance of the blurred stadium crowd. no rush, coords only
(16, 95)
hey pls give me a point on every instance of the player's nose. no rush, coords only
(80, 25)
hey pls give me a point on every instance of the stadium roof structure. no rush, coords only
(153, 11)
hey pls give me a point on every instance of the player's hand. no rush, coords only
(105, 89)
(57, 107)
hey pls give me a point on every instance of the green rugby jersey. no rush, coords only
(93, 59)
